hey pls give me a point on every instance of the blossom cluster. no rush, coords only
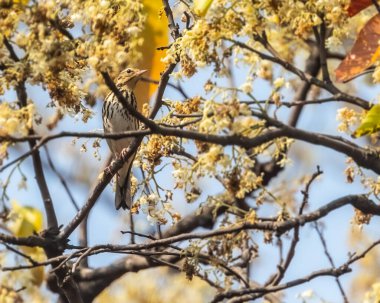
(58, 42)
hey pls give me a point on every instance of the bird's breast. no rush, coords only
(116, 118)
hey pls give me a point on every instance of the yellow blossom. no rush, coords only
(347, 117)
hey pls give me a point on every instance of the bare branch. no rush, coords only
(329, 257)
(275, 280)
(61, 179)
(304, 76)
(266, 290)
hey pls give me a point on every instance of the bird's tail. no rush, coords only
(123, 197)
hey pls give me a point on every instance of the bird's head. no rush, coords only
(129, 77)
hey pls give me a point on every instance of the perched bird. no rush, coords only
(116, 118)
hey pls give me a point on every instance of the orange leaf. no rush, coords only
(364, 52)
(155, 35)
(376, 55)
(357, 5)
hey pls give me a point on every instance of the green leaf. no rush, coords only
(201, 7)
(370, 123)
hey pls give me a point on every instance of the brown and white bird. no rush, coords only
(116, 118)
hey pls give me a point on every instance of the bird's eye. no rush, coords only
(129, 71)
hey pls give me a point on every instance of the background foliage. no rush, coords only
(247, 155)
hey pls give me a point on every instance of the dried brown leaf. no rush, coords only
(364, 52)
(357, 6)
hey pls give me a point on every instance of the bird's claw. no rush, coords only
(124, 153)
(107, 171)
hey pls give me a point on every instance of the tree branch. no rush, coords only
(304, 76)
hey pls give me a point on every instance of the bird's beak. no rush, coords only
(143, 71)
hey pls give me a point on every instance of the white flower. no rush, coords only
(246, 87)
(143, 200)
(151, 220)
(133, 30)
(307, 294)
(108, 43)
(279, 82)
(93, 60)
(76, 17)
(104, 4)
(153, 198)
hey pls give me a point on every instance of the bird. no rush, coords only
(117, 118)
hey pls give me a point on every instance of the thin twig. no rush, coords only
(377, 5)
(61, 179)
(329, 257)
(29, 258)
(37, 163)
(304, 76)
(282, 268)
